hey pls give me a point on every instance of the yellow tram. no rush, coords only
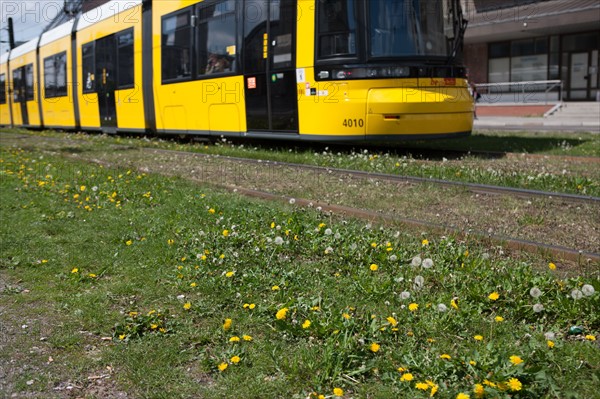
(319, 70)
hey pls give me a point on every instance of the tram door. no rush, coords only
(106, 75)
(20, 92)
(269, 65)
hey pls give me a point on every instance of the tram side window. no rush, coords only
(216, 40)
(125, 57)
(29, 91)
(55, 75)
(88, 66)
(337, 28)
(177, 46)
(17, 73)
(2, 89)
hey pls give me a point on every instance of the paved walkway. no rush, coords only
(576, 117)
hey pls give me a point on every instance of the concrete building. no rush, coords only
(534, 40)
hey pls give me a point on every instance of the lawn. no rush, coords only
(159, 288)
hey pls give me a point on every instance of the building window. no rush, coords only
(55, 75)
(3, 88)
(216, 38)
(518, 60)
(125, 59)
(88, 66)
(177, 46)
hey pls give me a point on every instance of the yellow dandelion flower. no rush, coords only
(514, 384)
(82, 188)
(346, 316)
(339, 392)
(235, 359)
(375, 347)
(229, 274)
(550, 344)
(472, 362)
(590, 337)
(445, 356)
(187, 306)
(306, 324)
(489, 383)
(425, 242)
(225, 233)
(478, 390)
(454, 304)
(227, 324)
(374, 245)
(321, 225)
(499, 319)
(434, 389)
(275, 288)
(211, 211)
(281, 313)
(373, 267)
(170, 242)
(234, 339)
(516, 360)
(406, 377)
(222, 367)
(222, 256)
(422, 386)
(122, 337)
(392, 321)
(247, 338)
(75, 270)
(463, 396)
(193, 285)
(252, 306)
(272, 225)
(478, 338)
(154, 326)
(551, 266)
(128, 242)
(413, 307)
(92, 275)
(162, 330)
(494, 296)
(402, 369)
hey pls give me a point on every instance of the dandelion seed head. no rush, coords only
(427, 263)
(588, 290)
(535, 292)
(441, 307)
(538, 307)
(576, 294)
(416, 261)
(404, 295)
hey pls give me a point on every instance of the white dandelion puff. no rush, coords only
(278, 240)
(576, 294)
(535, 292)
(538, 307)
(416, 261)
(427, 263)
(588, 290)
(404, 295)
(442, 308)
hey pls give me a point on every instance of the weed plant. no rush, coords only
(208, 294)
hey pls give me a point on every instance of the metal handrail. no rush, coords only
(551, 84)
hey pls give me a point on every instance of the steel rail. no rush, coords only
(474, 187)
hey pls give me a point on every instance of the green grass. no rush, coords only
(159, 264)
(549, 174)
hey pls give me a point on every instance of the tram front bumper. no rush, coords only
(419, 111)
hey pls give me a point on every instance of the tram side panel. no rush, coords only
(56, 83)
(109, 68)
(4, 91)
(197, 85)
(23, 72)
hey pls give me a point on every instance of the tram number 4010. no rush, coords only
(353, 123)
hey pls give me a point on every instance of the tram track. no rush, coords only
(473, 187)
(142, 160)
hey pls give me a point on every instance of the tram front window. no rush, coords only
(400, 28)
(371, 30)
